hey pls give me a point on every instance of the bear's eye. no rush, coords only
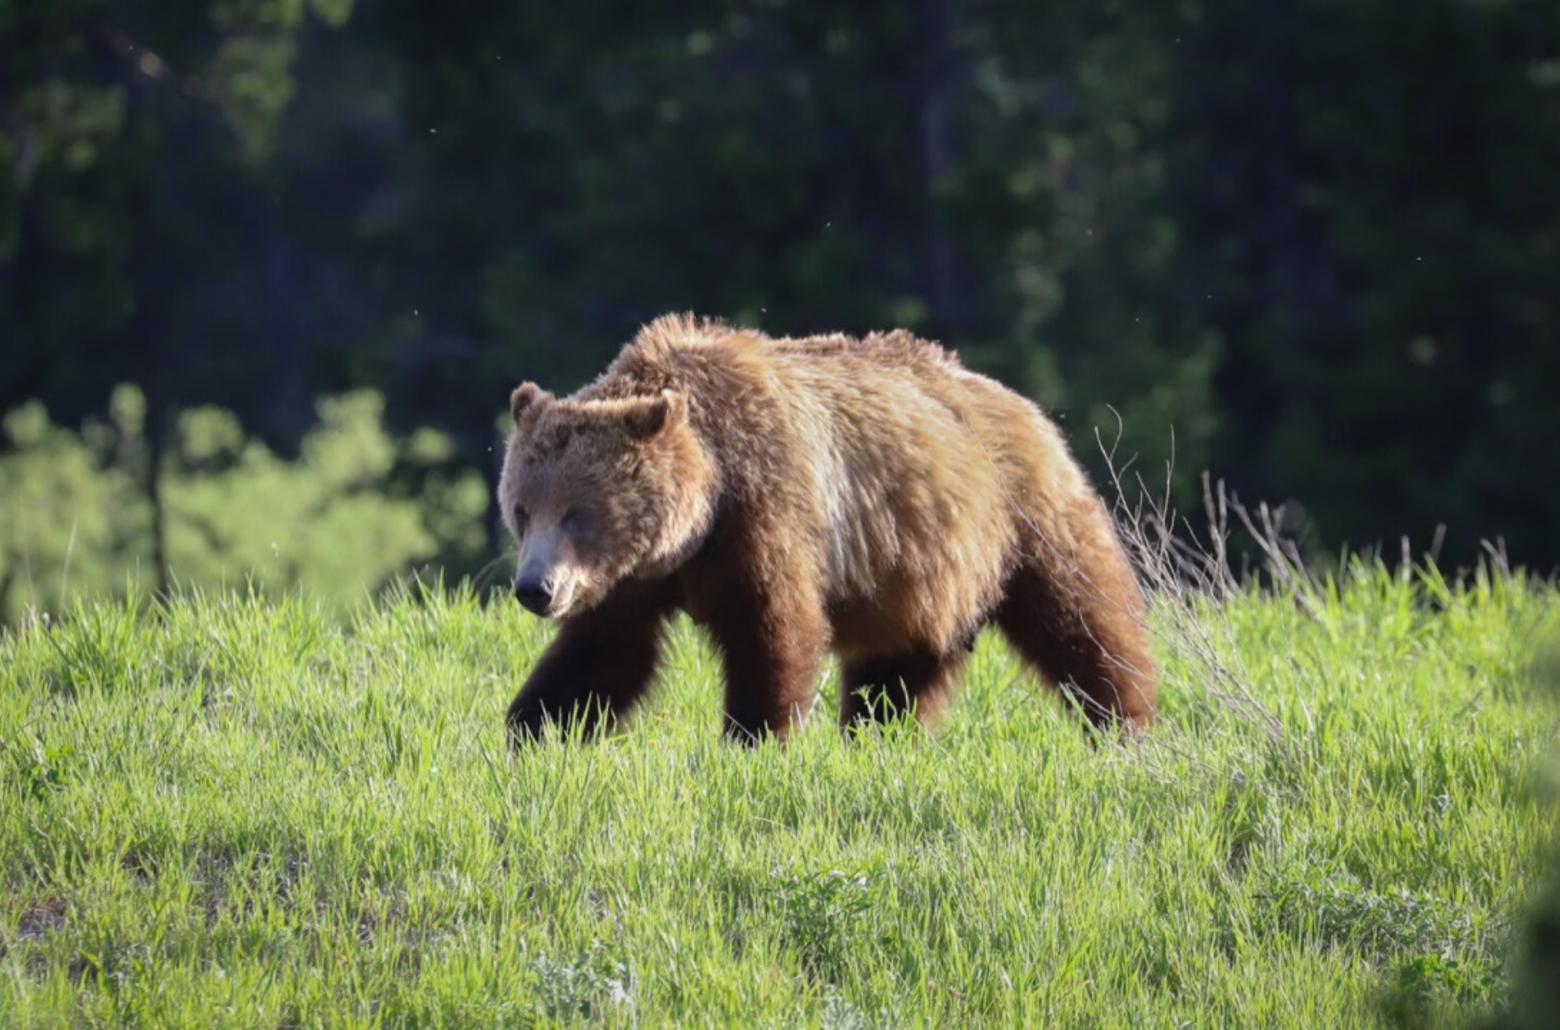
(521, 519)
(573, 519)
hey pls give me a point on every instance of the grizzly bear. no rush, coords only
(870, 496)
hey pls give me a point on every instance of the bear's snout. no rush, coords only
(533, 595)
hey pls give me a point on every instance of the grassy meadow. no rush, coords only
(238, 811)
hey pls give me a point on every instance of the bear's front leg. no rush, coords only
(600, 663)
(772, 637)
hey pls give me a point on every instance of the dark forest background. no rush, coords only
(1311, 245)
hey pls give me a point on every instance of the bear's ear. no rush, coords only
(527, 397)
(648, 417)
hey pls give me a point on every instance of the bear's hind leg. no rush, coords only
(1079, 621)
(593, 672)
(884, 689)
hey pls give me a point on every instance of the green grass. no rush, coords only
(237, 811)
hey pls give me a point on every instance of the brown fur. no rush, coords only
(870, 495)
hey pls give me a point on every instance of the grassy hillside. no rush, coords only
(237, 811)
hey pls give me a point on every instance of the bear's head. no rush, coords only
(600, 491)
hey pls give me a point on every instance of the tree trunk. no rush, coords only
(154, 462)
(937, 162)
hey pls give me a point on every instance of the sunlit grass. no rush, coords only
(239, 811)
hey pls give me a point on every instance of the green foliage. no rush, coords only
(72, 519)
(240, 810)
(357, 509)
(590, 985)
(1534, 999)
(1346, 914)
(43, 769)
(820, 914)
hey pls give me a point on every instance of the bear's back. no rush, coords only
(895, 464)
(896, 349)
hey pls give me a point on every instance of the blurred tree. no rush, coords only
(334, 522)
(137, 135)
(1064, 207)
(1318, 241)
(72, 517)
(339, 522)
(1374, 208)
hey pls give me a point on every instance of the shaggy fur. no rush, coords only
(871, 496)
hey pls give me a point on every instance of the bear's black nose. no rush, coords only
(532, 595)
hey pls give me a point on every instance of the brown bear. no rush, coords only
(869, 495)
